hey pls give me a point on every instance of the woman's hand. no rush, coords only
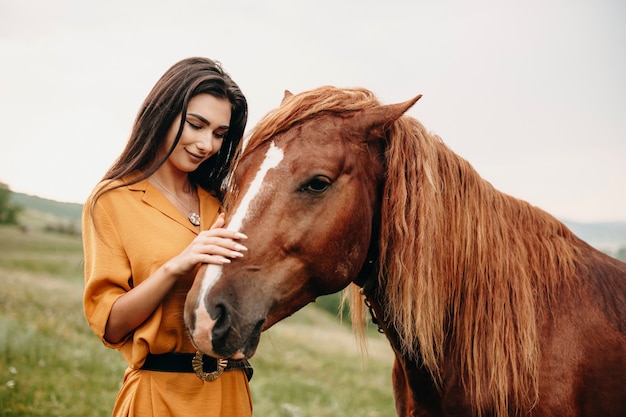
(214, 246)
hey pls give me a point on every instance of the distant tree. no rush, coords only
(8, 210)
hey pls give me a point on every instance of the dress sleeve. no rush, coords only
(107, 268)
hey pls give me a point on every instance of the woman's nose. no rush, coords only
(206, 144)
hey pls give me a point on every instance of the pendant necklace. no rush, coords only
(193, 217)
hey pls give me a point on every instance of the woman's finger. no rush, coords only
(221, 233)
(219, 222)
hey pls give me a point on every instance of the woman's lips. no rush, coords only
(196, 157)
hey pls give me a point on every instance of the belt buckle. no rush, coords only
(197, 365)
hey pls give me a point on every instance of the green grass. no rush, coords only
(317, 371)
(57, 255)
(52, 365)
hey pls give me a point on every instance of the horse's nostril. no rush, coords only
(217, 312)
(222, 322)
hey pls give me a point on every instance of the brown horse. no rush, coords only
(492, 306)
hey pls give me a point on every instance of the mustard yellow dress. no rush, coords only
(136, 231)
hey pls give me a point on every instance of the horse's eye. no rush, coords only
(317, 185)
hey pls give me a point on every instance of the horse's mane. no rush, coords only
(470, 285)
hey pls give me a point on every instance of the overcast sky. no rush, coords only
(531, 93)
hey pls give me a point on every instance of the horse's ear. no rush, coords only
(286, 95)
(376, 118)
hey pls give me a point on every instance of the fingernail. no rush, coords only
(241, 235)
(240, 247)
(225, 260)
(236, 254)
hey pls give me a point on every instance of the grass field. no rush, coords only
(52, 365)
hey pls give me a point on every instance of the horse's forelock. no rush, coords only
(297, 108)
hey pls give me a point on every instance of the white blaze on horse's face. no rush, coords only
(204, 323)
(272, 158)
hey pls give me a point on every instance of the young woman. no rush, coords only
(148, 225)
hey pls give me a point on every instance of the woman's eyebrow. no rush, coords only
(205, 121)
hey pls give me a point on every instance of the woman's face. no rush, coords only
(207, 123)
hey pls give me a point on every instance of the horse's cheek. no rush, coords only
(352, 245)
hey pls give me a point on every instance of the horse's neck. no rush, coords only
(377, 309)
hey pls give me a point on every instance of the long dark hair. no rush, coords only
(168, 98)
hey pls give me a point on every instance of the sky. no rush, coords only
(532, 93)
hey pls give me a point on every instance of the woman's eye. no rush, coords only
(193, 125)
(317, 185)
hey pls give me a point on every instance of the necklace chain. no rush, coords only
(193, 217)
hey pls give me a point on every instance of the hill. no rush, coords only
(606, 236)
(61, 210)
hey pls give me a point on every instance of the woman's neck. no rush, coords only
(175, 183)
